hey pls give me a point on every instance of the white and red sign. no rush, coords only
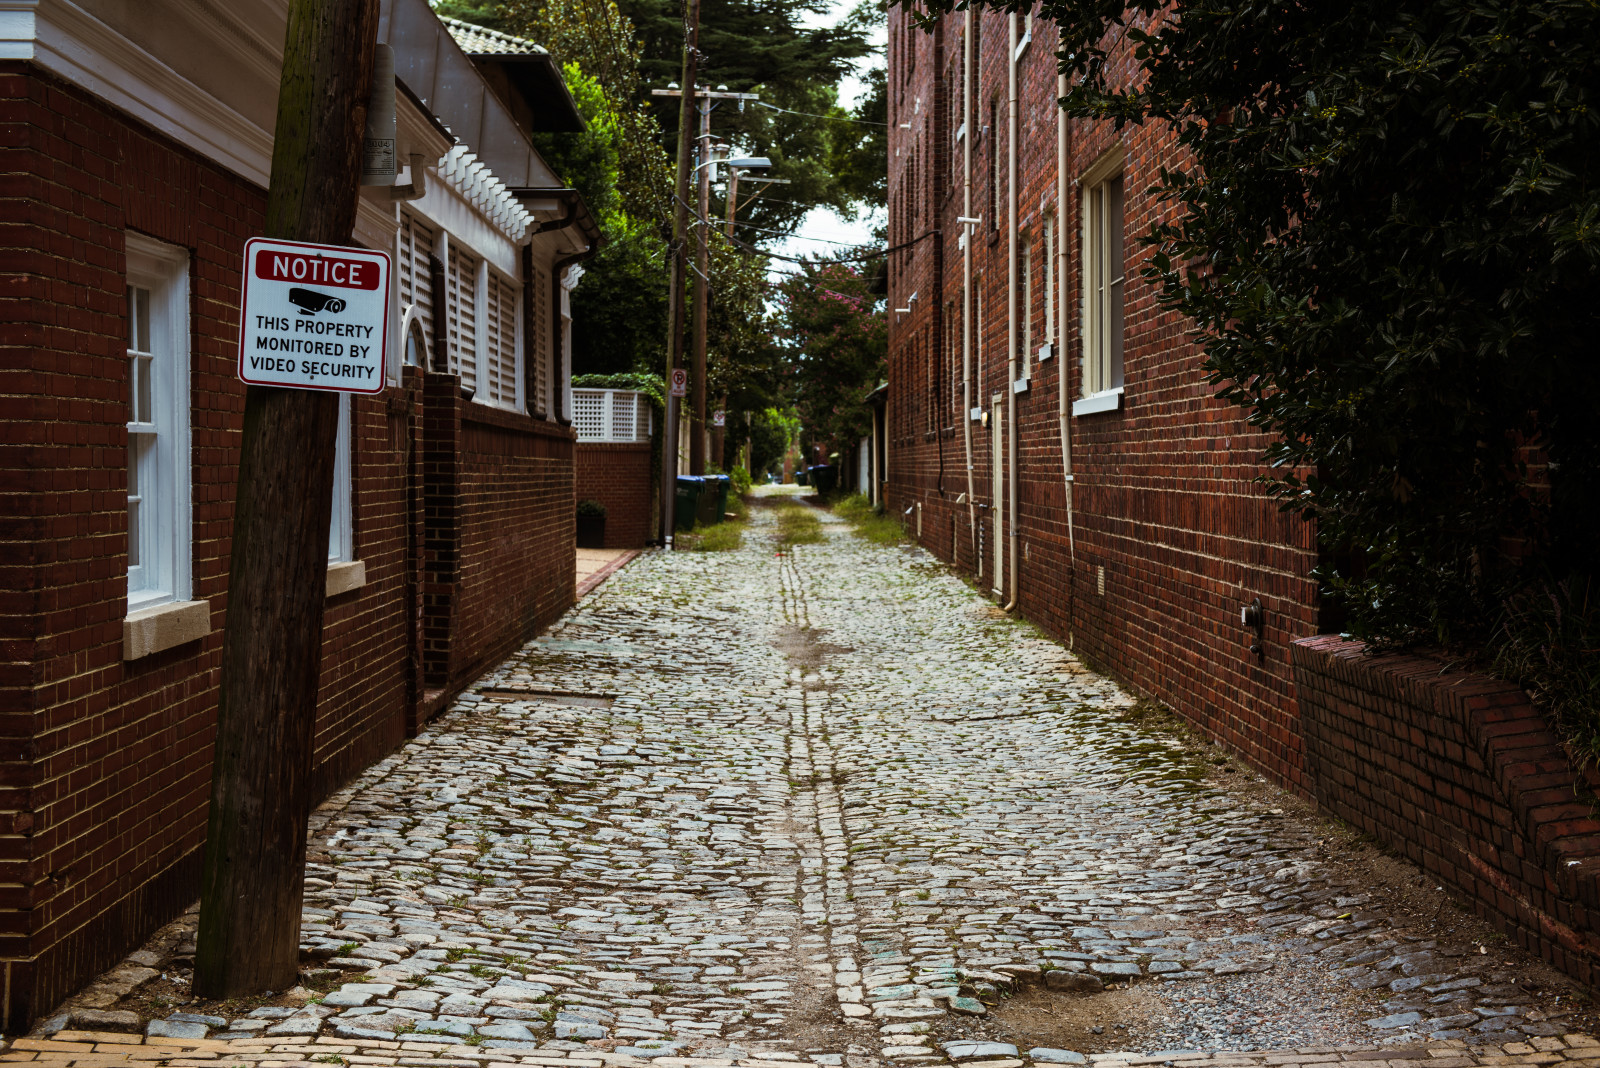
(680, 383)
(314, 316)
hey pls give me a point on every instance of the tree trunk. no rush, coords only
(254, 867)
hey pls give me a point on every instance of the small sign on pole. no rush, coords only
(719, 418)
(314, 316)
(680, 382)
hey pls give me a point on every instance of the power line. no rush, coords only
(814, 115)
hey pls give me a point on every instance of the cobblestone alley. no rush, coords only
(829, 805)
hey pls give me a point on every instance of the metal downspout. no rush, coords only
(967, 231)
(1012, 488)
(1063, 190)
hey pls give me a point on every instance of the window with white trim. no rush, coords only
(341, 526)
(463, 287)
(159, 528)
(502, 365)
(1027, 305)
(1047, 348)
(1102, 281)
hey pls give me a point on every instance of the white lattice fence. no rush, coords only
(611, 415)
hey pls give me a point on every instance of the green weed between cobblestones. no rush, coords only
(868, 522)
(798, 524)
(720, 537)
(716, 539)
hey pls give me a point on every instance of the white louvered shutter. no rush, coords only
(463, 292)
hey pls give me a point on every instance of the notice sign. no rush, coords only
(680, 383)
(314, 316)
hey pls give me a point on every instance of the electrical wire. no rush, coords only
(814, 115)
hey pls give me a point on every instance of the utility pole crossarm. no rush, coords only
(707, 94)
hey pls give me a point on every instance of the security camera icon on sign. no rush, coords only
(309, 301)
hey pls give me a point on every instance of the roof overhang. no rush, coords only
(538, 84)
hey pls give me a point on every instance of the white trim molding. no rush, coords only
(1107, 400)
(65, 39)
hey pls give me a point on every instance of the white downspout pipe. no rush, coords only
(1063, 190)
(968, 231)
(1014, 496)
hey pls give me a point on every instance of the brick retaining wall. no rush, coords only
(1460, 774)
(618, 475)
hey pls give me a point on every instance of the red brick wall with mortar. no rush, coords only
(1163, 499)
(105, 763)
(1460, 774)
(518, 540)
(617, 475)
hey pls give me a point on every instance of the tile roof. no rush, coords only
(477, 41)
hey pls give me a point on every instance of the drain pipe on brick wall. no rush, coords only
(967, 231)
(1064, 398)
(1064, 401)
(1013, 540)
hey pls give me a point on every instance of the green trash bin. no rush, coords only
(714, 499)
(686, 508)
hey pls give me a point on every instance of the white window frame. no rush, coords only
(1104, 282)
(341, 525)
(166, 528)
(1047, 350)
(1027, 305)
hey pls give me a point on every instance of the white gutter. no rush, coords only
(1014, 497)
(1063, 190)
(968, 231)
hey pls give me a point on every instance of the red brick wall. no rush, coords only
(1162, 493)
(517, 543)
(618, 476)
(105, 763)
(1461, 775)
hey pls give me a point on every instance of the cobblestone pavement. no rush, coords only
(830, 805)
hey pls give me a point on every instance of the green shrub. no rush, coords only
(1549, 643)
(853, 508)
(591, 507)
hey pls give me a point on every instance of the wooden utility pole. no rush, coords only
(254, 868)
(680, 264)
(702, 295)
(697, 378)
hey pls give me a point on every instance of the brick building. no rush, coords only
(137, 149)
(1048, 431)
(1047, 424)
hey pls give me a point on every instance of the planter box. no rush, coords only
(591, 532)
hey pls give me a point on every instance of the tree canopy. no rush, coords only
(836, 342)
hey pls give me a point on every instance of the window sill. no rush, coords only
(1107, 400)
(346, 575)
(150, 630)
(1020, 385)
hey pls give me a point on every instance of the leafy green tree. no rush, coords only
(859, 152)
(835, 335)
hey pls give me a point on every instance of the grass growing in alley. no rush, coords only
(868, 521)
(720, 537)
(798, 524)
